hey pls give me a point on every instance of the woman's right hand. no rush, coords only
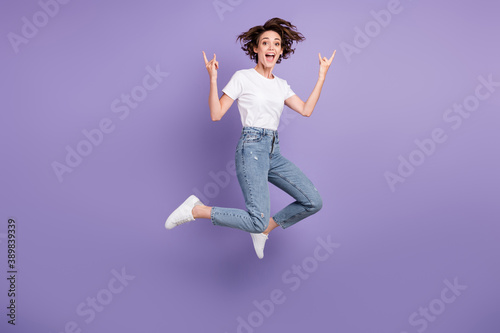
(212, 66)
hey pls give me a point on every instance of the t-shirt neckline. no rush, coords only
(262, 76)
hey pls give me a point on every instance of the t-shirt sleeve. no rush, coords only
(288, 91)
(234, 87)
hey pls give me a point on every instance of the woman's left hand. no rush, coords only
(324, 64)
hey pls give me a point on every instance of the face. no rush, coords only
(269, 48)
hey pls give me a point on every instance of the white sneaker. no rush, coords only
(183, 213)
(259, 240)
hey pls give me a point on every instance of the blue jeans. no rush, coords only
(259, 161)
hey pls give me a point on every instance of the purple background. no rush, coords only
(396, 247)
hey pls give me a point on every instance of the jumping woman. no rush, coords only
(261, 96)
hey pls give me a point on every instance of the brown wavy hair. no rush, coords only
(287, 31)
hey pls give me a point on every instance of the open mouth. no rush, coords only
(270, 57)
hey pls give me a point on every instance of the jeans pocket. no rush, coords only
(252, 137)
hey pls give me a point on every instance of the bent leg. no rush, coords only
(288, 177)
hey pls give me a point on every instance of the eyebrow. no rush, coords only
(274, 39)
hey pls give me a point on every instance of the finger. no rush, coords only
(333, 55)
(214, 56)
(216, 65)
(205, 57)
(319, 55)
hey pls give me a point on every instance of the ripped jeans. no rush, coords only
(259, 161)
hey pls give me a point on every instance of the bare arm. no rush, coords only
(306, 108)
(218, 107)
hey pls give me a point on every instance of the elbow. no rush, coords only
(306, 113)
(214, 116)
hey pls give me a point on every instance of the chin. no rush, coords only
(268, 65)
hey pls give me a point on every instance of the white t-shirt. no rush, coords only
(260, 100)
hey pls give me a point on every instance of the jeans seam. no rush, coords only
(293, 184)
(221, 213)
(291, 217)
(246, 178)
(278, 222)
(212, 216)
